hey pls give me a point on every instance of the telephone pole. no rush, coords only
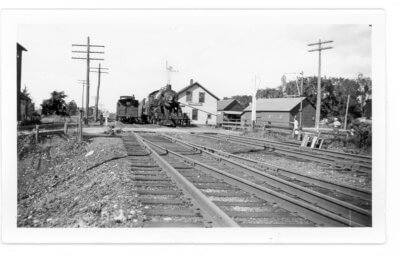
(88, 59)
(257, 81)
(319, 49)
(299, 90)
(83, 90)
(99, 71)
(301, 102)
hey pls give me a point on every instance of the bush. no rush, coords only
(33, 119)
(362, 134)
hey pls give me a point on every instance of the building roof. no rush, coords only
(21, 48)
(223, 104)
(276, 104)
(199, 85)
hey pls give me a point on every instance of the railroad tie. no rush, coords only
(171, 212)
(157, 192)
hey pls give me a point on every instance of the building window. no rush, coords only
(195, 113)
(208, 116)
(202, 95)
(189, 96)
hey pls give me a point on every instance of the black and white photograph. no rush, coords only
(232, 121)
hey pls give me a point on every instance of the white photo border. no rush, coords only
(11, 19)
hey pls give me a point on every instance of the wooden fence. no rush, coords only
(238, 125)
(48, 129)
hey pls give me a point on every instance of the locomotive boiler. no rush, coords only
(162, 107)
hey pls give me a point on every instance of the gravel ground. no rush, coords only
(58, 186)
(304, 167)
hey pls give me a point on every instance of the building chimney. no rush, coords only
(191, 81)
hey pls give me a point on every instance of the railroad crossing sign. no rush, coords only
(106, 115)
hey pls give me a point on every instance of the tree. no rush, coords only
(269, 93)
(365, 87)
(55, 104)
(72, 108)
(31, 117)
(334, 93)
(244, 100)
(26, 93)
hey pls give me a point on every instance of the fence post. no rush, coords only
(37, 134)
(80, 129)
(65, 128)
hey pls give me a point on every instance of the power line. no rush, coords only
(88, 59)
(319, 49)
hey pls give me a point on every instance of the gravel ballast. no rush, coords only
(64, 183)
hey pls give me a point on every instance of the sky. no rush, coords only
(224, 57)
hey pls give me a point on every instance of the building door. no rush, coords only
(195, 113)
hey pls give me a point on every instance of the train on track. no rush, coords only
(160, 107)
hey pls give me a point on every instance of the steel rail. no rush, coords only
(298, 153)
(306, 153)
(347, 190)
(207, 208)
(347, 156)
(303, 209)
(278, 150)
(342, 208)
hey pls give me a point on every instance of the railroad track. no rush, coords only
(360, 163)
(354, 195)
(283, 202)
(168, 201)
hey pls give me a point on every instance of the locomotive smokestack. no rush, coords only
(191, 81)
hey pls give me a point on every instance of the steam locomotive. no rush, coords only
(160, 107)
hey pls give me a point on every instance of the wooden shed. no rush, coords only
(280, 112)
(229, 112)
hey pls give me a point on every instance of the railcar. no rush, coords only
(127, 109)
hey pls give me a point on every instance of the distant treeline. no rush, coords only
(334, 93)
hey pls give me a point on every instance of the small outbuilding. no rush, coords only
(229, 112)
(281, 112)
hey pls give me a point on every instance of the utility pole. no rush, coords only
(254, 102)
(299, 90)
(347, 111)
(83, 90)
(301, 102)
(99, 71)
(319, 49)
(88, 59)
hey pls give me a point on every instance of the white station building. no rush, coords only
(199, 104)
